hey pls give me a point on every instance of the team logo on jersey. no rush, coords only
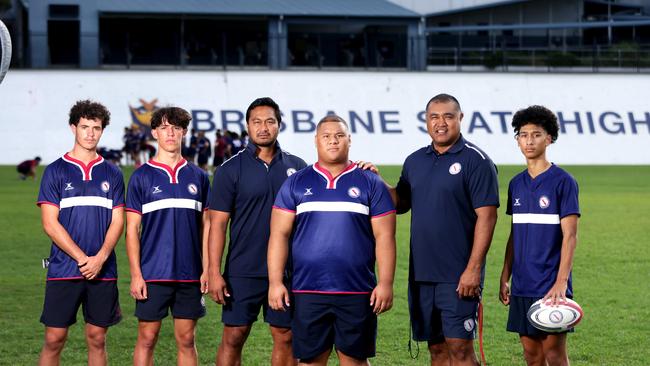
(469, 325)
(544, 202)
(105, 186)
(156, 189)
(192, 188)
(307, 192)
(455, 168)
(354, 192)
(68, 187)
(517, 203)
(290, 171)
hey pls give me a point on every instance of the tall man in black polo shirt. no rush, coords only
(451, 188)
(244, 190)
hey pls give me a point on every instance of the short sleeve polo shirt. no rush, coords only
(245, 186)
(443, 190)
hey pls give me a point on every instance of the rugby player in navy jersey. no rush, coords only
(543, 202)
(332, 220)
(451, 188)
(82, 211)
(166, 240)
(244, 189)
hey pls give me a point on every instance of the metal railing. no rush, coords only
(588, 59)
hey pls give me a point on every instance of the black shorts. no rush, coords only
(184, 298)
(247, 296)
(98, 299)
(518, 317)
(345, 321)
(437, 312)
(23, 169)
(203, 159)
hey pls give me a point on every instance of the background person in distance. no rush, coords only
(27, 168)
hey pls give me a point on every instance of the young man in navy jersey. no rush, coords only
(336, 220)
(543, 202)
(166, 240)
(451, 188)
(82, 211)
(243, 193)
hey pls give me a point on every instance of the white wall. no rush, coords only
(34, 107)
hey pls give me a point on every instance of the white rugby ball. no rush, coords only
(555, 318)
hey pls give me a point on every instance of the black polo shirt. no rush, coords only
(442, 191)
(245, 186)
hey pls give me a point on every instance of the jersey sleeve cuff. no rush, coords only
(486, 204)
(39, 203)
(284, 209)
(569, 214)
(383, 214)
(128, 209)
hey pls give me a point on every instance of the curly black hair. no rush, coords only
(174, 115)
(89, 110)
(537, 115)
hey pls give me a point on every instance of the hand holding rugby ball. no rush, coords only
(561, 317)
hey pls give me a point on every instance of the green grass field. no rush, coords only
(611, 282)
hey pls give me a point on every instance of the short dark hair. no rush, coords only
(332, 118)
(443, 98)
(173, 115)
(264, 102)
(537, 115)
(89, 110)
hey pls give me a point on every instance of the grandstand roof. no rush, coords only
(303, 8)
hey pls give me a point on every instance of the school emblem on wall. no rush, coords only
(141, 115)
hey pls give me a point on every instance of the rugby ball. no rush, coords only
(554, 318)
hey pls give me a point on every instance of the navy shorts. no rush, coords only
(98, 299)
(345, 321)
(518, 317)
(247, 296)
(184, 298)
(437, 312)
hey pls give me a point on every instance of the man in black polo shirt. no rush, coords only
(243, 193)
(451, 188)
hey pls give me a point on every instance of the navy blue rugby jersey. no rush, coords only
(443, 191)
(171, 202)
(86, 196)
(537, 206)
(245, 186)
(333, 246)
